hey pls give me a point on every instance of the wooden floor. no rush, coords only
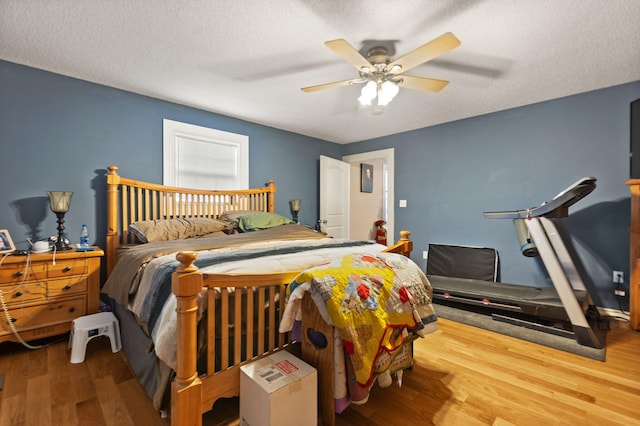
(462, 376)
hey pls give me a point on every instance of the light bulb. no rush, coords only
(368, 93)
(388, 90)
(364, 101)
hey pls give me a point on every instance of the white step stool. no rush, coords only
(87, 327)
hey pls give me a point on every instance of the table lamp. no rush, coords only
(296, 205)
(59, 203)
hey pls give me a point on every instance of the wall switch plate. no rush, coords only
(425, 254)
(618, 277)
(403, 203)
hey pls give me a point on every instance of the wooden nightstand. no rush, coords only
(43, 297)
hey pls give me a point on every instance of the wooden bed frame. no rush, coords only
(192, 394)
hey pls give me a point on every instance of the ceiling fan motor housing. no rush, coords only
(378, 56)
(379, 60)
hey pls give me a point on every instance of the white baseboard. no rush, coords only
(613, 313)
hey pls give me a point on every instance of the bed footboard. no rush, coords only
(235, 336)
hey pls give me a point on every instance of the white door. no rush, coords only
(334, 197)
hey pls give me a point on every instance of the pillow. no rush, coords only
(233, 215)
(261, 220)
(149, 231)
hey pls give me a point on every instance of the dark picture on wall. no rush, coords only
(6, 245)
(366, 178)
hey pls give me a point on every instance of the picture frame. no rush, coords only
(6, 243)
(366, 178)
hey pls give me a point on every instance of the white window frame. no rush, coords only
(175, 130)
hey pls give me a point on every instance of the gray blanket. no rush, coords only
(125, 276)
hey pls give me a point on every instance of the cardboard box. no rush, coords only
(278, 390)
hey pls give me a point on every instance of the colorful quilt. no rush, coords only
(370, 299)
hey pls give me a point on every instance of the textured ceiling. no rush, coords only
(249, 59)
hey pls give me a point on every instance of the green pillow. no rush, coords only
(261, 220)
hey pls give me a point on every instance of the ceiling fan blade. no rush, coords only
(421, 83)
(331, 85)
(348, 53)
(424, 53)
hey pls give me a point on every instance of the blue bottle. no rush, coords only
(84, 236)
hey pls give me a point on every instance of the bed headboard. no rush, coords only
(130, 201)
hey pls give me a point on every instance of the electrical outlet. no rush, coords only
(618, 277)
(425, 254)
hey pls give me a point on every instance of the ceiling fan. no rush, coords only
(384, 76)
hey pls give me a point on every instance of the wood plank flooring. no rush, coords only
(462, 376)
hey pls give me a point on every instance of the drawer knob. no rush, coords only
(66, 287)
(14, 320)
(18, 274)
(17, 294)
(72, 309)
(67, 269)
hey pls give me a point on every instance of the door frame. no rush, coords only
(388, 156)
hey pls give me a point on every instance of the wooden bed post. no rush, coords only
(113, 181)
(186, 388)
(272, 196)
(404, 246)
(406, 242)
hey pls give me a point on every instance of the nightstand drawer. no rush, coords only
(67, 268)
(53, 312)
(39, 290)
(25, 292)
(58, 288)
(17, 273)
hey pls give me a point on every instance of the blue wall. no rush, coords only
(59, 133)
(450, 174)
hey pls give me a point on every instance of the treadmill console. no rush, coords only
(556, 208)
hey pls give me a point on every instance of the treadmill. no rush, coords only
(566, 309)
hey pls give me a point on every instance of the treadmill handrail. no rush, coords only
(557, 207)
